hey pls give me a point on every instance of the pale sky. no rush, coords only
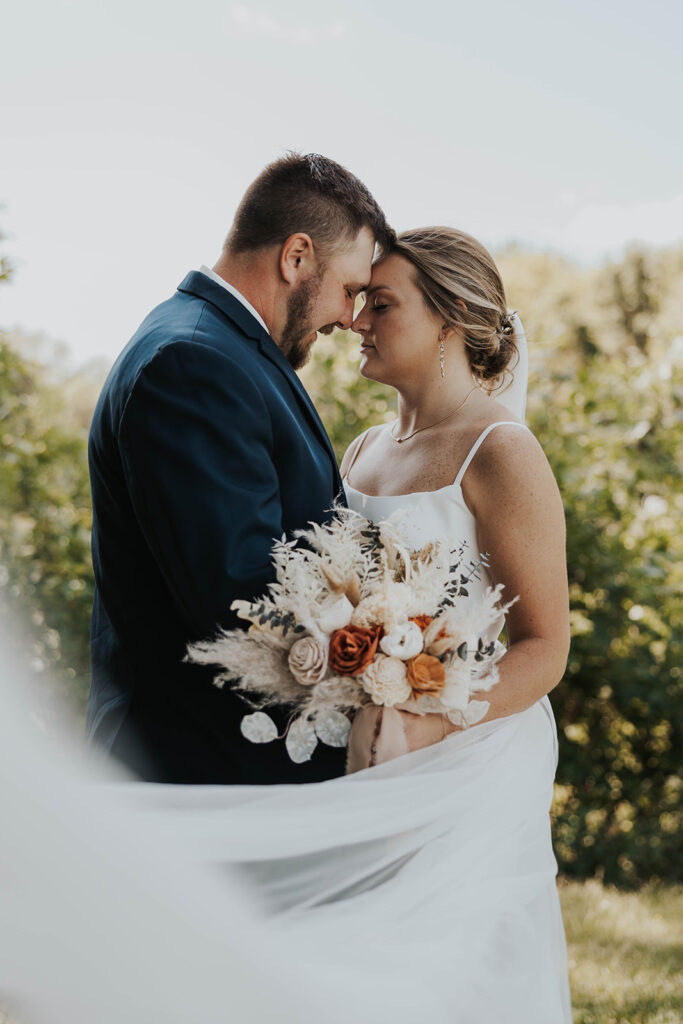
(130, 129)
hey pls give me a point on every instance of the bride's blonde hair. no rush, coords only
(452, 268)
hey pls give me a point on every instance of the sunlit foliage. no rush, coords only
(606, 352)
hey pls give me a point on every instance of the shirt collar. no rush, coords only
(233, 291)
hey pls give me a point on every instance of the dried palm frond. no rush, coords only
(255, 664)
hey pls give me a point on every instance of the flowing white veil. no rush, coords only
(105, 920)
(513, 395)
(130, 901)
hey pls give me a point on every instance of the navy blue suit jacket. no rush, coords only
(204, 446)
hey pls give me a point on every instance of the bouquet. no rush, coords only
(355, 617)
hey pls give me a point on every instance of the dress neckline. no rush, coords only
(409, 494)
(447, 487)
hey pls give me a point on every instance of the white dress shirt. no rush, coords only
(233, 291)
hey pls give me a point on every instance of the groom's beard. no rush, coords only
(296, 341)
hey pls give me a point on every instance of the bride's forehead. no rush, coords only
(393, 272)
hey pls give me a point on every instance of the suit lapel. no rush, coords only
(203, 287)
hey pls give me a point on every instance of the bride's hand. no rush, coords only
(425, 730)
(381, 734)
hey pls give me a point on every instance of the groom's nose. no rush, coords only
(347, 319)
(357, 325)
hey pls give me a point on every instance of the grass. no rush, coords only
(625, 953)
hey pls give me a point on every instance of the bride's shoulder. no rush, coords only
(488, 427)
(505, 440)
(499, 436)
(507, 461)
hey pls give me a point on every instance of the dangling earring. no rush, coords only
(441, 353)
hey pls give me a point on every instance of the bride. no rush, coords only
(436, 328)
(423, 881)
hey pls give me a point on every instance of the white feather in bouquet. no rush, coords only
(355, 617)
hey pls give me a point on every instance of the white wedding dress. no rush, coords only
(423, 888)
(485, 926)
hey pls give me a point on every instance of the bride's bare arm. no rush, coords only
(513, 495)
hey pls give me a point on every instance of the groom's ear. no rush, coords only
(297, 258)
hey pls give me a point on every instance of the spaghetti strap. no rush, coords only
(356, 453)
(480, 440)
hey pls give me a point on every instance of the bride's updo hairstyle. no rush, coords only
(452, 267)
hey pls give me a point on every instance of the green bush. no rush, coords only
(612, 448)
(45, 518)
(605, 402)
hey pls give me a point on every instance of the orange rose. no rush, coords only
(353, 648)
(421, 620)
(426, 675)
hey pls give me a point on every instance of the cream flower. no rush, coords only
(456, 692)
(371, 611)
(308, 660)
(385, 681)
(387, 607)
(404, 642)
(335, 613)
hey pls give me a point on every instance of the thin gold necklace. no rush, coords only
(400, 440)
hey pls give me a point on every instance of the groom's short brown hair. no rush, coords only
(308, 193)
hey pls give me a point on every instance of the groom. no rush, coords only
(204, 447)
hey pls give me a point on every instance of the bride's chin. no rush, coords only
(366, 372)
(364, 369)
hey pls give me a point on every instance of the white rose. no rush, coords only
(404, 642)
(308, 660)
(335, 613)
(385, 681)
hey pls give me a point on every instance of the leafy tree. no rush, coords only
(45, 520)
(606, 355)
(45, 517)
(612, 434)
(6, 267)
(633, 299)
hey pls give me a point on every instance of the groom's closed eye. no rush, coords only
(354, 290)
